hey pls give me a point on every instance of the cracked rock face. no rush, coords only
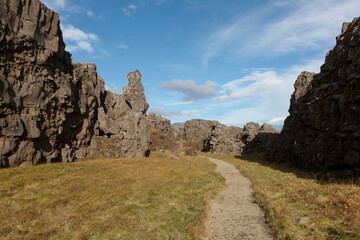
(224, 139)
(256, 137)
(215, 137)
(52, 109)
(323, 129)
(163, 126)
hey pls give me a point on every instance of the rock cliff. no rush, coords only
(52, 109)
(323, 129)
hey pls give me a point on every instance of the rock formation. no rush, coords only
(212, 136)
(54, 110)
(323, 129)
(163, 126)
(224, 139)
(256, 137)
(197, 130)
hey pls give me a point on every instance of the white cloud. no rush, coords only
(252, 85)
(281, 3)
(77, 39)
(277, 123)
(113, 89)
(190, 89)
(123, 46)
(90, 13)
(271, 101)
(178, 114)
(308, 25)
(131, 6)
(129, 10)
(55, 4)
(180, 103)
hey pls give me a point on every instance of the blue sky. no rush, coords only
(231, 61)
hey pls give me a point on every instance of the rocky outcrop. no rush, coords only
(256, 137)
(197, 130)
(123, 128)
(323, 129)
(163, 126)
(224, 139)
(164, 135)
(54, 110)
(212, 136)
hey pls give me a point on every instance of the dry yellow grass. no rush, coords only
(160, 141)
(150, 198)
(301, 207)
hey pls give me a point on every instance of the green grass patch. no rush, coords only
(297, 206)
(151, 198)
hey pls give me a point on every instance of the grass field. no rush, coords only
(299, 207)
(151, 198)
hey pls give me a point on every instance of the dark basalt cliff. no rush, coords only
(323, 129)
(52, 109)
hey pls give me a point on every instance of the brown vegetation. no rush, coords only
(160, 142)
(152, 198)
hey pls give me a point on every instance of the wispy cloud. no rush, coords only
(132, 7)
(300, 28)
(90, 13)
(277, 123)
(123, 46)
(159, 2)
(191, 91)
(177, 114)
(77, 39)
(180, 103)
(253, 85)
(69, 6)
(129, 10)
(55, 4)
(272, 104)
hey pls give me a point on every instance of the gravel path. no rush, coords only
(234, 214)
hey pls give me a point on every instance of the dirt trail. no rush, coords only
(234, 213)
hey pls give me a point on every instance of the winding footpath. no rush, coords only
(234, 214)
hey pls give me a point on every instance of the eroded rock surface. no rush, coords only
(212, 136)
(323, 129)
(163, 126)
(197, 130)
(54, 110)
(256, 137)
(224, 139)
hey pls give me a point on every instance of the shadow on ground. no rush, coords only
(325, 177)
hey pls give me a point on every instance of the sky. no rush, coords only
(226, 60)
